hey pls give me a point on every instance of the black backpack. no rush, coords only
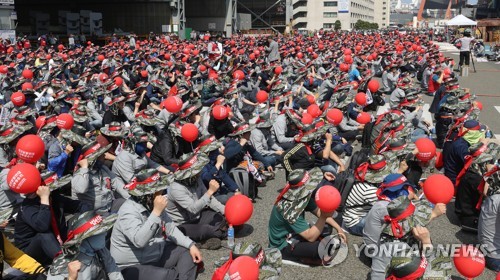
(420, 72)
(359, 157)
(366, 137)
(245, 181)
(343, 183)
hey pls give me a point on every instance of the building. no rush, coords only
(317, 14)
(382, 13)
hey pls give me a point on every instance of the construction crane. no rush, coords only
(448, 10)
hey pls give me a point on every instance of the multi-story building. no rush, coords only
(317, 14)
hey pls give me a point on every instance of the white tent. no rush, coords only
(461, 20)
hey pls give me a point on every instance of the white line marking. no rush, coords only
(497, 108)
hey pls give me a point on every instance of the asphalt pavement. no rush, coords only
(444, 230)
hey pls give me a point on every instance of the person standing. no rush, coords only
(464, 43)
(272, 49)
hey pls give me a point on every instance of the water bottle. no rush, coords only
(488, 134)
(230, 237)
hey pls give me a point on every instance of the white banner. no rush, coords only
(8, 34)
(344, 6)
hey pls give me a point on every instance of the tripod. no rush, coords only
(471, 58)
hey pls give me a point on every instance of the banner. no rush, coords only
(8, 34)
(344, 6)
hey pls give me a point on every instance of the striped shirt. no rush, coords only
(359, 202)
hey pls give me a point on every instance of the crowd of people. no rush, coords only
(144, 142)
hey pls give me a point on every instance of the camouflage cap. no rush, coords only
(71, 136)
(25, 111)
(148, 181)
(420, 217)
(209, 143)
(147, 117)
(264, 121)
(301, 184)
(342, 98)
(397, 147)
(22, 120)
(114, 129)
(376, 176)
(310, 133)
(489, 155)
(79, 114)
(5, 214)
(80, 227)
(51, 180)
(190, 165)
(451, 103)
(92, 151)
(9, 132)
(270, 259)
(242, 129)
(404, 267)
(190, 110)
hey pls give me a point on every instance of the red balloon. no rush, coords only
(103, 77)
(300, 55)
(344, 67)
(251, 56)
(314, 110)
(220, 112)
(187, 73)
(30, 148)
(278, 70)
(27, 74)
(334, 116)
(60, 47)
(238, 210)
(447, 71)
(307, 118)
(24, 178)
(118, 81)
(173, 104)
(438, 189)
(244, 268)
(373, 86)
(100, 57)
(26, 86)
(358, 48)
(479, 105)
(238, 75)
(439, 160)
(327, 198)
(262, 96)
(40, 121)
(469, 261)
(360, 98)
(189, 132)
(167, 56)
(65, 121)
(311, 98)
(348, 59)
(364, 118)
(426, 149)
(18, 98)
(4, 69)
(347, 52)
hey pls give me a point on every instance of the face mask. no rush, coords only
(93, 244)
(140, 148)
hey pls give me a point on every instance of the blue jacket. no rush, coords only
(234, 154)
(210, 172)
(57, 158)
(454, 158)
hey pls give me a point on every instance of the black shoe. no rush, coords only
(211, 244)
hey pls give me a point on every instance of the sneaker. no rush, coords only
(211, 244)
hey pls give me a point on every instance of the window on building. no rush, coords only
(328, 25)
(330, 4)
(329, 14)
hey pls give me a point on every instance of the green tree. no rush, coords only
(337, 25)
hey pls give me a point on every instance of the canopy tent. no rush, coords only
(461, 20)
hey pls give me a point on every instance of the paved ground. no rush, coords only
(485, 83)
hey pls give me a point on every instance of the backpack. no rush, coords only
(359, 157)
(344, 183)
(245, 182)
(420, 72)
(366, 137)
